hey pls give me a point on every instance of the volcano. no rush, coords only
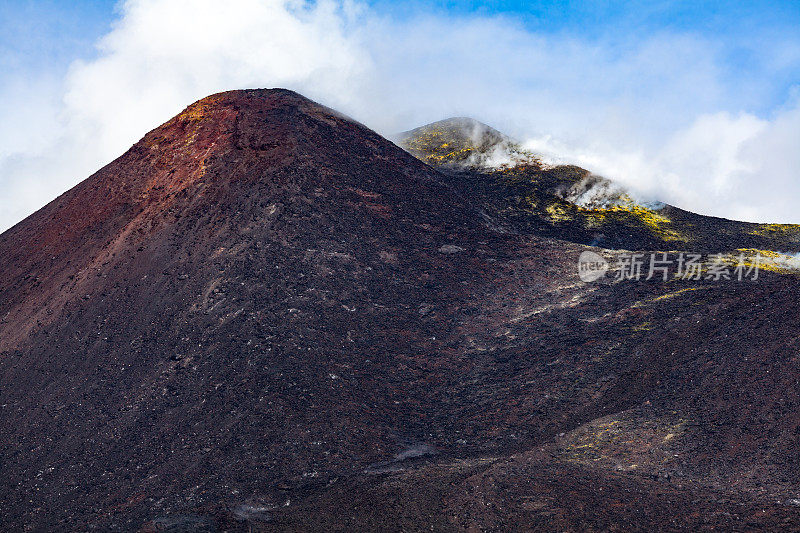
(266, 317)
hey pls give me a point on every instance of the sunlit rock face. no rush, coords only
(464, 143)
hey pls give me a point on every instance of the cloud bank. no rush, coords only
(662, 113)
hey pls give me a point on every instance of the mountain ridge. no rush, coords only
(571, 203)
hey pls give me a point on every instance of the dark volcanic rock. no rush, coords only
(265, 316)
(179, 524)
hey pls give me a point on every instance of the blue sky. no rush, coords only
(745, 31)
(51, 34)
(693, 103)
(44, 37)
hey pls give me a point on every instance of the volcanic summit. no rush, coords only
(264, 317)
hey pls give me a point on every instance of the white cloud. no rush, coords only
(740, 167)
(658, 113)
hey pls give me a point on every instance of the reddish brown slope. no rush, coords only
(187, 161)
(239, 292)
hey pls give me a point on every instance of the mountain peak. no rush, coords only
(225, 151)
(240, 112)
(464, 124)
(243, 98)
(463, 142)
(278, 126)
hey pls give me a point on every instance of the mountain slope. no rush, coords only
(208, 285)
(264, 316)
